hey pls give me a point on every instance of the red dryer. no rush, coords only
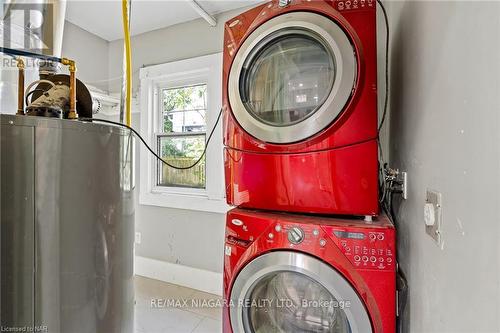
(295, 273)
(300, 107)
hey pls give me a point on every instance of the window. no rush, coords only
(180, 102)
(182, 136)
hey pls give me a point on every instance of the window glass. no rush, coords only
(182, 152)
(288, 78)
(182, 140)
(184, 109)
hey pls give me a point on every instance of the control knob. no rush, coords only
(296, 235)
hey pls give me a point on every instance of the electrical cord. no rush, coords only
(386, 100)
(150, 149)
(402, 286)
(401, 281)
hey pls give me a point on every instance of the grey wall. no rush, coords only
(445, 132)
(186, 237)
(90, 53)
(181, 41)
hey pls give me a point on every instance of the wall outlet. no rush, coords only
(138, 238)
(433, 216)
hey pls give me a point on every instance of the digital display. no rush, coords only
(349, 235)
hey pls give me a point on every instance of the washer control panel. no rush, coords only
(366, 248)
(297, 235)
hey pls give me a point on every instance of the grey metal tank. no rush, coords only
(67, 226)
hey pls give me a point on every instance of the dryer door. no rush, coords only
(292, 77)
(293, 292)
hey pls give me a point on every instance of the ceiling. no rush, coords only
(103, 18)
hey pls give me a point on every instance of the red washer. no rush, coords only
(289, 273)
(300, 107)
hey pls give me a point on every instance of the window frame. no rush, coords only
(200, 70)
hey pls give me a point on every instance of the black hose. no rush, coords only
(31, 93)
(150, 149)
(402, 287)
(386, 100)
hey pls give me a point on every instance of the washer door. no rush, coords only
(292, 77)
(292, 292)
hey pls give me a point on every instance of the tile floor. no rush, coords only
(181, 316)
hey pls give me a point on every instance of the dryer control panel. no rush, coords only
(366, 248)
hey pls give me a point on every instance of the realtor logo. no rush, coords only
(28, 26)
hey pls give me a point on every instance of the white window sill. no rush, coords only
(184, 201)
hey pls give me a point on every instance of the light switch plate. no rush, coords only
(138, 238)
(435, 230)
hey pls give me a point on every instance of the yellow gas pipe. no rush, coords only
(128, 59)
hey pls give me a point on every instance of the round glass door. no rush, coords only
(286, 291)
(292, 302)
(292, 77)
(288, 78)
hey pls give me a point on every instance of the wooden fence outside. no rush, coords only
(194, 177)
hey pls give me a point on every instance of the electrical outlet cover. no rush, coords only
(434, 230)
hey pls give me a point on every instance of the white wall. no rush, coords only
(90, 53)
(445, 132)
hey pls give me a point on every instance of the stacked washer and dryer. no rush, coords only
(306, 249)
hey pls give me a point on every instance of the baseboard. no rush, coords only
(181, 275)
